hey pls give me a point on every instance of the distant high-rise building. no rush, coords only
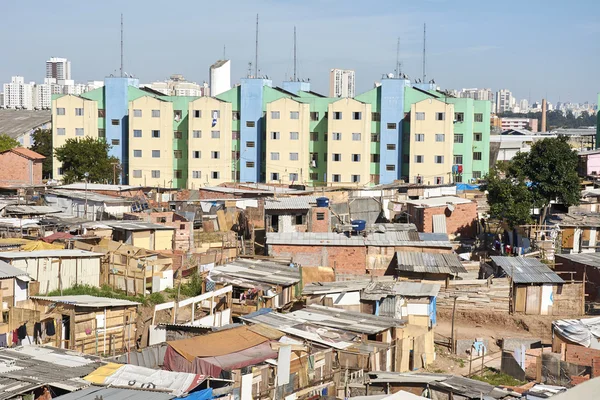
(219, 77)
(477, 94)
(176, 85)
(18, 94)
(504, 101)
(524, 106)
(58, 68)
(341, 83)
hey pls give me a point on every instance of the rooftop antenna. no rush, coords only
(295, 54)
(224, 54)
(424, 50)
(256, 51)
(121, 45)
(250, 69)
(398, 66)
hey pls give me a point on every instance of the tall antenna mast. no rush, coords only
(256, 51)
(398, 59)
(294, 54)
(424, 51)
(121, 45)
(224, 56)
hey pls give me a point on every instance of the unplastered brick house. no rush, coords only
(20, 166)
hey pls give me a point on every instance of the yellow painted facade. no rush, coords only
(72, 117)
(150, 142)
(163, 240)
(431, 142)
(348, 143)
(287, 157)
(210, 160)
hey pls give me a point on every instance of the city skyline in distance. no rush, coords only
(547, 57)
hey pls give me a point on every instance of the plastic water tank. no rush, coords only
(359, 225)
(322, 202)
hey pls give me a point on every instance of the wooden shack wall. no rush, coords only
(120, 326)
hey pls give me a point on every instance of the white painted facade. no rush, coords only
(220, 77)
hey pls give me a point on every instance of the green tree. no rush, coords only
(509, 199)
(42, 143)
(7, 143)
(88, 155)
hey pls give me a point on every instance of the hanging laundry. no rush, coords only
(15, 337)
(37, 332)
(50, 328)
(22, 331)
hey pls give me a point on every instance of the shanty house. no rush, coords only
(87, 204)
(445, 214)
(20, 166)
(429, 266)
(91, 325)
(340, 294)
(143, 234)
(584, 267)
(14, 286)
(57, 269)
(289, 214)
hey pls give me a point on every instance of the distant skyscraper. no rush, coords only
(504, 101)
(176, 85)
(220, 77)
(477, 94)
(341, 83)
(18, 94)
(58, 68)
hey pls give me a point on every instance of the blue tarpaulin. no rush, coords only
(205, 394)
(466, 186)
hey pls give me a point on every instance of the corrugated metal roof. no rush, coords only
(32, 210)
(87, 301)
(89, 195)
(589, 259)
(98, 186)
(291, 203)
(439, 223)
(8, 271)
(377, 290)
(48, 254)
(262, 271)
(137, 226)
(429, 263)
(109, 393)
(526, 270)
(433, 237)
(438, 201)
(335, 287)
(395, 238)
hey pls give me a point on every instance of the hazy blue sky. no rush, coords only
(528, 46)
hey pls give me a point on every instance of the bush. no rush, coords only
(107, 291)
(497, 378)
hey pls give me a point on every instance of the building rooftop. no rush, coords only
(379, 289)
(31, 210)
(8, 271)
(291, 203)
(438, 201)
(22, 151)
(234, 190)
(112, 393)
(98, 186)
(219, 63)
(335, 287)
(526, 270)
(589, 259)
(87, 301)
(249, 272)
(14, 123)
(137, 226)
(394, 238)
(58, 253)
(429, 263)
(577, 219)
(89, 195)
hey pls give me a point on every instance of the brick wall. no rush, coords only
(317, 225)
(584, 356)
(16, 169)
(345, 259)
(460, 221)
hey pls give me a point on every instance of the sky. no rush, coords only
(534, 48)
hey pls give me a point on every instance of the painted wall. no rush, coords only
(296, 86)
(391, 128)
(180, 136)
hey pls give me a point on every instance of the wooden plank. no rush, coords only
(533, 301)
(520, 300)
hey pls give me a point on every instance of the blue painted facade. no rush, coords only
(392, 112)
(295, 86)
(251, 113)
(116, 102)
(425, 86)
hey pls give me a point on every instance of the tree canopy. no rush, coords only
(42, 143)
(7, 143)
(509, 199)
(87, 155)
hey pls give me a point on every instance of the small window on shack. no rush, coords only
(162, 219)
(300, 219)
(320, 216)
(182, 226)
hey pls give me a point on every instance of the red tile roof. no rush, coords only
(32, 155)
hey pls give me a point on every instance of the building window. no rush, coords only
(438, 159)
(216, 114)
(137, 173)
(375, 158)
(458, 179)
(249, 164)
(235, 115)
(337, 115)
(320, 216)
(60, 171)
(458, 159)
(215, 175)
(314, 176)
(250, 144)
(314, 136)
(336, 178)
(325, 137)
(275, 135)
(178, 135)
(419, 137)
(391, 125)
(355, 178)
(155, 153)
(440, 137)
(458, 138)
(374, 137)
(420, 116)
(476, 174)
(477, 137)
(114, 121)
(336, 157)
(177, 174)
(177, 154)
(156, 173)
(439, 180)
(294, 115)
(155, 113)
(196, 134)
(137, 133)
(60, 131)
(293, 177)
(293, 156)
(155, 134)
(274, 176)
(390, 167)
(356, 137)
(197, 113)
(356, 115)
(419, 159)
(215, 155)
(294, 135)
(314, 116)
(137, 153)
(375, 116)
(440, 116)
(274, 156)
(336, 136)
(355, 157)
(137, 113)
(79, 112)
(391, 146)
(235, 135)
(419, 179)
(478, 117)
(249, 124)
(274, 114)
(60, 111)
(101, 133)
(459, 117)
(477, 155)
(215, 134)
(115, 142)
(196, 175)
(196, 154)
